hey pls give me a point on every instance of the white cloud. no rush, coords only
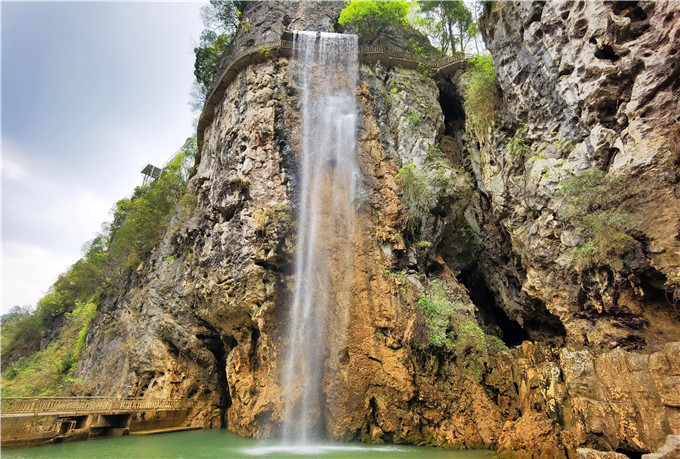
(11, 170)
(46, 222)
(11, 165)
(88, 138)
(28, 271)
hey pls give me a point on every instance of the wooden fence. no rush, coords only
(87, 405)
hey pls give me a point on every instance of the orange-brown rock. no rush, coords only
(594, 359)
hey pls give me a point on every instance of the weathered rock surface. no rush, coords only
(670, 450)
(604, 74)
(594, 359)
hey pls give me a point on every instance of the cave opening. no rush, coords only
(631, 454)
(219, 351)
(661, 292)
(607, 53)
(492, 316)
(540, 324)
(451, 142)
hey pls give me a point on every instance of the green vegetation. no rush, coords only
(480, 95)
(414, 120)
(209, 53)
(473, 237)
(222, 18)
(266, 51)
(63, 316)
(445, 328)
(147, 214)
(425, 72)
(517, 144)
(448, 23)
(420, 185)
(394, 275)
(591, 207)
(437, 313)
(371, 17)
(416, 194)
(417, 48)
(47, 372)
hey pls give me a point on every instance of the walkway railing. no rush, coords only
(86, 405)
(242, 58)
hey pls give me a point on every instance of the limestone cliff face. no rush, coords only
(604, 77)
(204, 317)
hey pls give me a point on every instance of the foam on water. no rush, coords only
(317, 450)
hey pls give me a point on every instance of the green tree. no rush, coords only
(147, 217)
(222, 19)
(372, 17)
(223, 16)
(449, 22)
(209, 54)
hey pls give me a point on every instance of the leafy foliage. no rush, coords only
(517, 144)
(414, 120)
(209, 54)
(222, 18)
(480, 95)
(416, 195)
(438, 313)
(592, 198)
(446, 328)
(449, 23)
(371, 17)
(147, 215)
(47, 372)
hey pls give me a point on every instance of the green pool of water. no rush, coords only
(226, 445)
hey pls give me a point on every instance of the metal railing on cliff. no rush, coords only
(241, 58)
(86, 405)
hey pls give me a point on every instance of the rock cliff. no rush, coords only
(595, 348)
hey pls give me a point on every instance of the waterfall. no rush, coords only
(327, 75)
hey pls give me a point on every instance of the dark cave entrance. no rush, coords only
(491, 314)
(451, 142)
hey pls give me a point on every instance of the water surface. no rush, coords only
(226, 445)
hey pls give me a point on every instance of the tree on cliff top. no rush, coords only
(372, 17)
(449, 23)
(221, 19)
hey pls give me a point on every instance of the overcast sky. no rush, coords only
(91, 93)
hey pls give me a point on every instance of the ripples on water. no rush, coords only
(226, 445)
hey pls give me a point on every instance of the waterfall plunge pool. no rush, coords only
(223, 444)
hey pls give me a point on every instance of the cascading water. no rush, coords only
(328, 69)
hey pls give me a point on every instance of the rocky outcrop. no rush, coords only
(613, 401)
(594, 352)
(607, 77)
(600, 78)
